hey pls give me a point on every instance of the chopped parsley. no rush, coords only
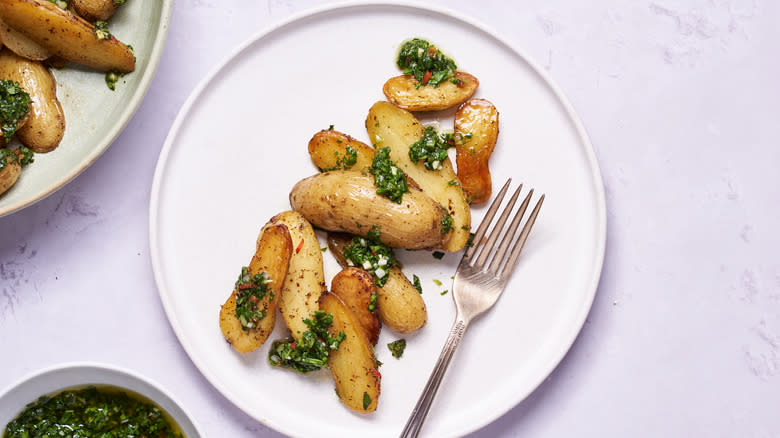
(425, 62)
(397, 348)
(14, 106)
(311, 351)
(101, 30)
(417, 284)
(91, 412)
(250, 289)
(119, 2)
(349, 160)
(446, 224)
(389, 180)
(432, 148)
(370, 255)
(437, 282)
(453, 182)
(444, 292)
(470, 241)
(438, 255)
(366, 400)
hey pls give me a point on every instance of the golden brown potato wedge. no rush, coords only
(403, 92)
(9, 173)
(353, 365)
(399, 304)
(346, 200)
(355, 287)
(274, 250)
(94, 10)
(45, 125)
(393, 127)
(67, 35)
(476, 133)
(18, 43)
(305, 281)
(328, 151)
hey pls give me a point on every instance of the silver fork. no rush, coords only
(478, 284)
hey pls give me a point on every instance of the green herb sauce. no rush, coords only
(432, 148)
(371, 255)
(112, 78)
(425, 62)
(366, 400)
(101, 30)
(446, 224)
(397, 348)
(438, 255)
(349, 160)
(417, 284)
(389, 180)
(14, 105)
(311, 351)
(106, 412)
(23, 156)
(250, 289)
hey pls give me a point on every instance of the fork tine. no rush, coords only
(486, 221)
(487, 249)
(510, 264)
(510, 235)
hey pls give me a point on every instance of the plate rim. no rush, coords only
(570, 335)
(124, 118)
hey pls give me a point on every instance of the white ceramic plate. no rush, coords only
(239, 145)
(60, 377)
(95, 115)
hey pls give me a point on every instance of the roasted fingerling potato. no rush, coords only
(94, 10)
(333, 150)
(67, 35)
(346, 200)
(356, 289)
(305, 280)
(45, 125)
(400, 305)
(353, 365)
(271, 260)
(23, 46)
(395, 128)
(10, 169)
(403, 92)
(476, 133)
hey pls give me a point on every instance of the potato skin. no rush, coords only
(45, 125)
(67, 35)
(305, 280)
(476, 133)
(8, 176)
(18, 43)
(353, 365)
(328, 146)
(94, 10)
(354, 287)
(402, 92)
(400, 305)
(345, 200)
(272, 256)
(393, 127)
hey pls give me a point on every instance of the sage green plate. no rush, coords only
(95, 115)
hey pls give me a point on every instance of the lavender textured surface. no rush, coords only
(681, 99)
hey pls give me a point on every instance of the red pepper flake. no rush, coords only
(427, 77)
(253, 299)
(376, 373)
(294, 345)
(460, 84)
(432, 52)
(245, 286)
(300, 245)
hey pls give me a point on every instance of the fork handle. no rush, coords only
(415, 422)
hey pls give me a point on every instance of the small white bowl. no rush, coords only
(59, 377)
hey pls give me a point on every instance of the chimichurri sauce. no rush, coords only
(105, 412)
(425, 62)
